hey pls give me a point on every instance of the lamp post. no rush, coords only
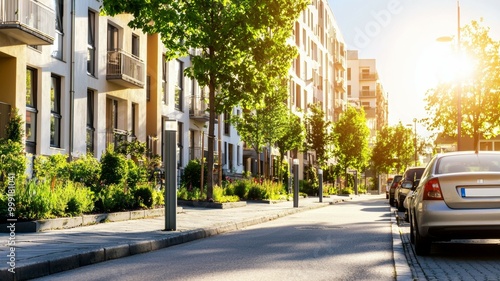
(320, 175)
(170, 163)
(415, 138)
(459, 86)
(295, 183)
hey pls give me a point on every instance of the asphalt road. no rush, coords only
(348, 241)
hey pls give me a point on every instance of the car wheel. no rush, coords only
(422, 244)
(400, 205)
(391, 201)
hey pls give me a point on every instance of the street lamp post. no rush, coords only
(170, 163)
(415, 138)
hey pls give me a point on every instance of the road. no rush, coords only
(348, 241)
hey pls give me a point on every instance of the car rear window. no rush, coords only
(468, 163)
(414, 174)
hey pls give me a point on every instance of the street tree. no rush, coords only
(263, 125)
(293, 138)
(351, 140)
(319, 134)
(478, 84)
(382, 151)
(235, 38)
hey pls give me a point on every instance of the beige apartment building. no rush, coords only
(365, 90)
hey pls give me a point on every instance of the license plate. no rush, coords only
(480, 192)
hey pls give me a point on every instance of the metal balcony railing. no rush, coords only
(125, 69)
(368, 76)
(28, 21)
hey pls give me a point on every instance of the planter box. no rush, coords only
(62, 223)
(214, 205)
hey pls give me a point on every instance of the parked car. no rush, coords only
(411, 178)
(458, 198)
(394, 184)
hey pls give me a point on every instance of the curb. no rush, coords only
(401, 265)
(40, 269)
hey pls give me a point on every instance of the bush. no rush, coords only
(136, 174)
(143, 196)
(256, 192)
(241, 188)
(221, 196)
(114, 198)
(113, 167)
(192, 174)
(86, 170)
(33, 200)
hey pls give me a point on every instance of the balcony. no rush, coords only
(367, 94)
(339, 84)
(125, 69)
(339, 62)
(368, 77)
(27, 21)
(198, 109)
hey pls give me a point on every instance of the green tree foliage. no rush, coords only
(351, 140)
(191, 178)
(319, 134)
(12, 157)
(293, 138)
(382, 151)
(479, 99)
(394, 149)
(243, 45)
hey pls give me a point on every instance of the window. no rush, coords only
(349, 91)
(365, 91)
(112, 38)
(31, 111)
(179, 69)
(55, 111)
(57, 47)
(349, 74)
(365, 73)
(91, 48)
(180, 140)
(90, 121)
(135, 45)
(164, 80)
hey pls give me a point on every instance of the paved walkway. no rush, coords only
(43, 253)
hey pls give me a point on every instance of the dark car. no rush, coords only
(394, 184)
(411, 178)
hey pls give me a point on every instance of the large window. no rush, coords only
(31, 111)
(57, 47)
(91, 48)
(179, 92)
(112, 38)
(55, 111)
(90, 121)
(133, 120)
(135, 45)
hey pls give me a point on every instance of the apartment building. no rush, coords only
(318, 73)
(83, 81)
(365, 90)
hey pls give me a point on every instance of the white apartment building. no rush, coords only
(83, 81)
(365, 90)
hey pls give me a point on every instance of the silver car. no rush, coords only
(458, 197)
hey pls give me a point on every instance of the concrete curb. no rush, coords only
(40, 269)
(403, 271)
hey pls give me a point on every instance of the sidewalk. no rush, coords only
(43, 253)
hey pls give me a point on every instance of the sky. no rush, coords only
(401, 35)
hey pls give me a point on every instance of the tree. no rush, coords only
(293, 137)
(263, 125)
(479, 99)
(319, 134)
(403, 150)
(235, 38)
(351, 140)
(382, 151)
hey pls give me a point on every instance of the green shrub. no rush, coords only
(136, 174)
(113, 167)
(192, 174)
(241, 188)
(86, 170)
(33, 200)
(80, 199)
(114, 197)
(221, 197)
(183, 193)
(143, 196)
(256, 192)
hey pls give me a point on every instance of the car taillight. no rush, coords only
(432, 190)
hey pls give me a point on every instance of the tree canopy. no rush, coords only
(319, 134)
(479, 89)
(243, 49)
